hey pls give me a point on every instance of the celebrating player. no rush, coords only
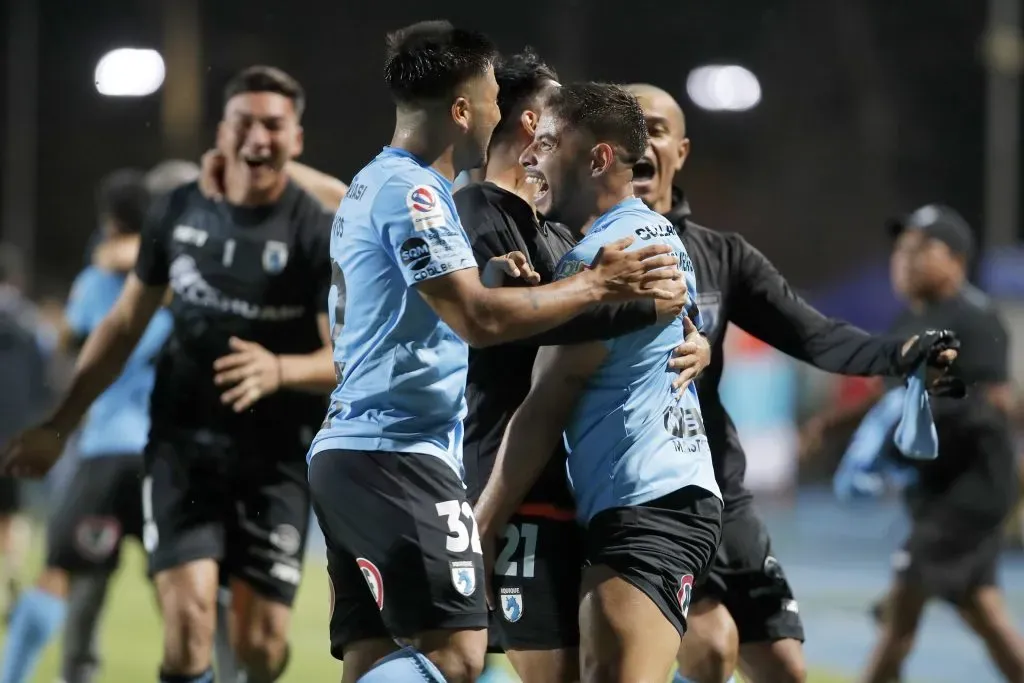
(404, 556)
(639, 462)
(224, 484)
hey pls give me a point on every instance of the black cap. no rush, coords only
(939, 222)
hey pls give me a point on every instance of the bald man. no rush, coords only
(744, 612)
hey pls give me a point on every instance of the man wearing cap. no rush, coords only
(961, 499)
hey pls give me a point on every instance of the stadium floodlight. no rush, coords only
(129, 72)
(723, 87)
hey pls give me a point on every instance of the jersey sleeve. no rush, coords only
(152, 265)
(421, 230)
(81, 310)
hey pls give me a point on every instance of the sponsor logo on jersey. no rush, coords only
(191, 287)
(425, 210)
(275, 257)
(649, 232)
(464, 577)
(511, 604)
(415, 253)
(189, 235)
(373, 580)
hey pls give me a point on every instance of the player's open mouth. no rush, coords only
(257, 162)
(539, 183)
(644, 171)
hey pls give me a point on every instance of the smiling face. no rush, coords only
(667, 148)
(258, 135)
(558, 163)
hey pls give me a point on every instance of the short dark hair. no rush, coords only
(428, 60)
(520, 77)
(608, 112)
(267, 79)
(122, 196)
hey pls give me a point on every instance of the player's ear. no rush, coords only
(684, 151)
(300, 141)
(460, 113)
(529, 119)
(602, 156)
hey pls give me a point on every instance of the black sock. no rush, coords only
(205, 677)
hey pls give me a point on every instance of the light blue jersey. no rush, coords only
(403, 370)
(630, 439)
(118, 422)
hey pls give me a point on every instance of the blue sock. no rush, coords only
(34, 620)
(205, 677)
(405, 666)
(678, 678)
(495, 673)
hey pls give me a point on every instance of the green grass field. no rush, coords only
(131, 631)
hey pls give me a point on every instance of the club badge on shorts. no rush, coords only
(373, 580)
(464, 577)
(684, 593)
(512, 604)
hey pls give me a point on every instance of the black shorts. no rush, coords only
(747, 579)
(10, 496)
(537, 574)
(245, 505)
(102, 504)
(662, 547)
(947, 563)
(403, 550)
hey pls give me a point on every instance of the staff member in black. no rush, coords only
(745, 609)
(961, 499)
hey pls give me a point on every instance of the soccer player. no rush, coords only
(538, 577)
(404, 556)
(639, 462)
(102, 504)
(234, 403)
(745, 612)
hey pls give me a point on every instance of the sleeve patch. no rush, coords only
(425, 210)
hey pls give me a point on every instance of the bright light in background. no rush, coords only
(129, 72)
(723, 88)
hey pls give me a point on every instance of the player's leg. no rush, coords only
(897, 634)
(984, 610)
(83, 537)
(223, 650)
(637, 587)
(80, 660)
(265, 551)
(536, 584)
(710, 651)
(405, 519)
(183, 506)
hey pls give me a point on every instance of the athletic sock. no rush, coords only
(404, 666)
(679, 678)
(34, 620)
(205, 677)
(495, 673)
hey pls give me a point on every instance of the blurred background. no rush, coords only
(812, 121)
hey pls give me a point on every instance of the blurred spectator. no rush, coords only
(25, 344)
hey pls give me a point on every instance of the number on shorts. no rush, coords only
(504, 565)
(460, 538)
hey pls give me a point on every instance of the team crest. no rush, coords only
(464, 577)
(97, 537)
(685, 593)
(373, 580)
(275, 257)
(511, 604)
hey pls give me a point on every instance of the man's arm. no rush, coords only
(328, 190)
(313, 372)
(106, 350)
(560, 373)
(765, 306)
